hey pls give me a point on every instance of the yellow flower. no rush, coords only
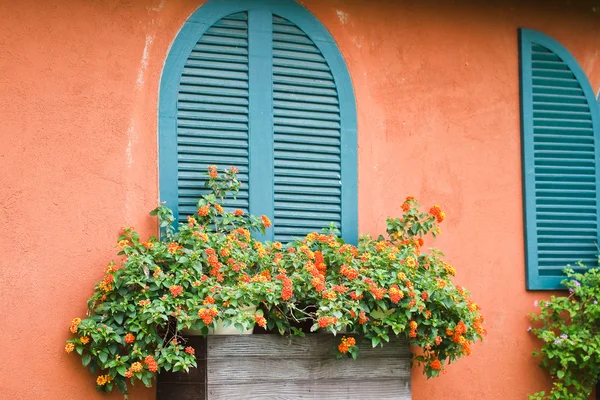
(84, 339)
(69, 347)
(101, 380)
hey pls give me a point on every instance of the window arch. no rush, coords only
(261, 84)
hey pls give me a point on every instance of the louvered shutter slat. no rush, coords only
(560, 162)
(212, 112)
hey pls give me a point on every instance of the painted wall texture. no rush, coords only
(438, 110)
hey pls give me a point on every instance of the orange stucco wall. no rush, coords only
(438, 110)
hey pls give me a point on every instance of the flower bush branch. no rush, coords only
(569, 327)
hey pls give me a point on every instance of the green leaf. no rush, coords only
(118, 318)
(113, 348)
(375, 341)
(121, 370)
(103, 356)
(560, 374)
(85, 359)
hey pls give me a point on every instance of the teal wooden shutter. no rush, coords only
(560, 128)
(307, 148)
(262, 86)
(212, 111)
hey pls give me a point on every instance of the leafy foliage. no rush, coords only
(212, 268)
(569, 326)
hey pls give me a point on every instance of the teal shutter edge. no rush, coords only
(196, 25)
(528, 37)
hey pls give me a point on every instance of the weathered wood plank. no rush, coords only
(304, 390)
(266, 366)
(275, 367)
(310, 346)
(246, 370)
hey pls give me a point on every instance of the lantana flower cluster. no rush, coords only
(211, 267)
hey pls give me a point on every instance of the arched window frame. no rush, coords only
(196, 25)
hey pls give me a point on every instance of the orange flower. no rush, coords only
(101, 380)
(84, 340)
(266, 221)
(318, 284)
(437, 212)
(174, 247)
(206, 315)
(355, 296)
(129, 338)
(425, 296)
(346, 343)
(260, 320)
(212, 171)
(238, 212)
(75, 324)
(435, 365)
(122, 244)
(395, 294)
(219, 208)
(136, 367)
(176, 290)
(362, 317)
(377, 293)
(348, 272)
(69, 347)
(287, 291)
(191, 221)
(324, 322)
(190, 350)
(413, 329)
(203, 211)
(329, 295)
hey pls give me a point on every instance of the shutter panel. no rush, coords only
(560, 132)
(261, 85)
(212, 112)
(307, 136)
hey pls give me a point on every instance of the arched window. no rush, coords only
(560, 128)
(261, 85)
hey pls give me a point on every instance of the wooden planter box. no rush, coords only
(275, 367)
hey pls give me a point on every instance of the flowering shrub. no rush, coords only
(570, 329)
(382, 287)
(211, 267)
